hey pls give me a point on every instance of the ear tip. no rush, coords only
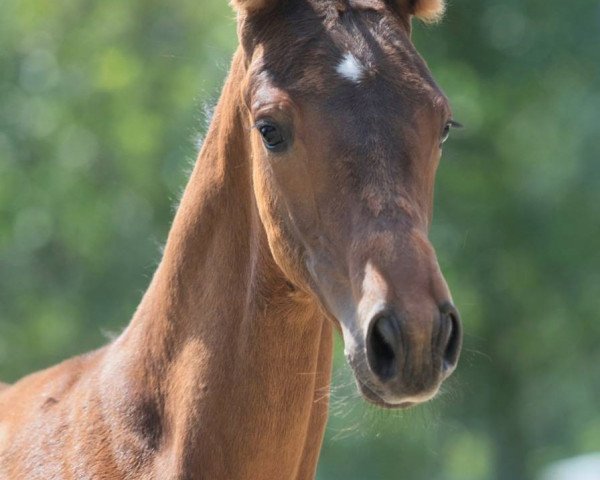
(250, 5)
(429, 11)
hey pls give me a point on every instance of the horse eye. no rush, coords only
(272, 136)
(446, 132)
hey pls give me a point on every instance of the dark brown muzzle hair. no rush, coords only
(411, 332)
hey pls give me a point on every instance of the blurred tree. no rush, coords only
(100, 106)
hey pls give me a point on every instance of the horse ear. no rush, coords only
(253, 6)
(428, 11)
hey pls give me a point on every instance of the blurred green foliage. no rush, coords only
(100, 104)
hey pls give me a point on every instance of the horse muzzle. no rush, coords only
(398, 365)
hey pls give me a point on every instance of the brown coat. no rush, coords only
(224, 370)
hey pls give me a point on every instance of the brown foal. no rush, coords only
(308, 210)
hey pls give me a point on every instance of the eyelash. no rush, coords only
(447, 127)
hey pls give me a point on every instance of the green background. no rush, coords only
(101, 104)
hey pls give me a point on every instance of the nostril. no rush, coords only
(381, 350)
(453, 337)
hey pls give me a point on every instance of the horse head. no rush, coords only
(347, 132)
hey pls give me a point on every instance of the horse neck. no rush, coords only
(221, 346)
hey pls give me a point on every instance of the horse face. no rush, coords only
(347, 127)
